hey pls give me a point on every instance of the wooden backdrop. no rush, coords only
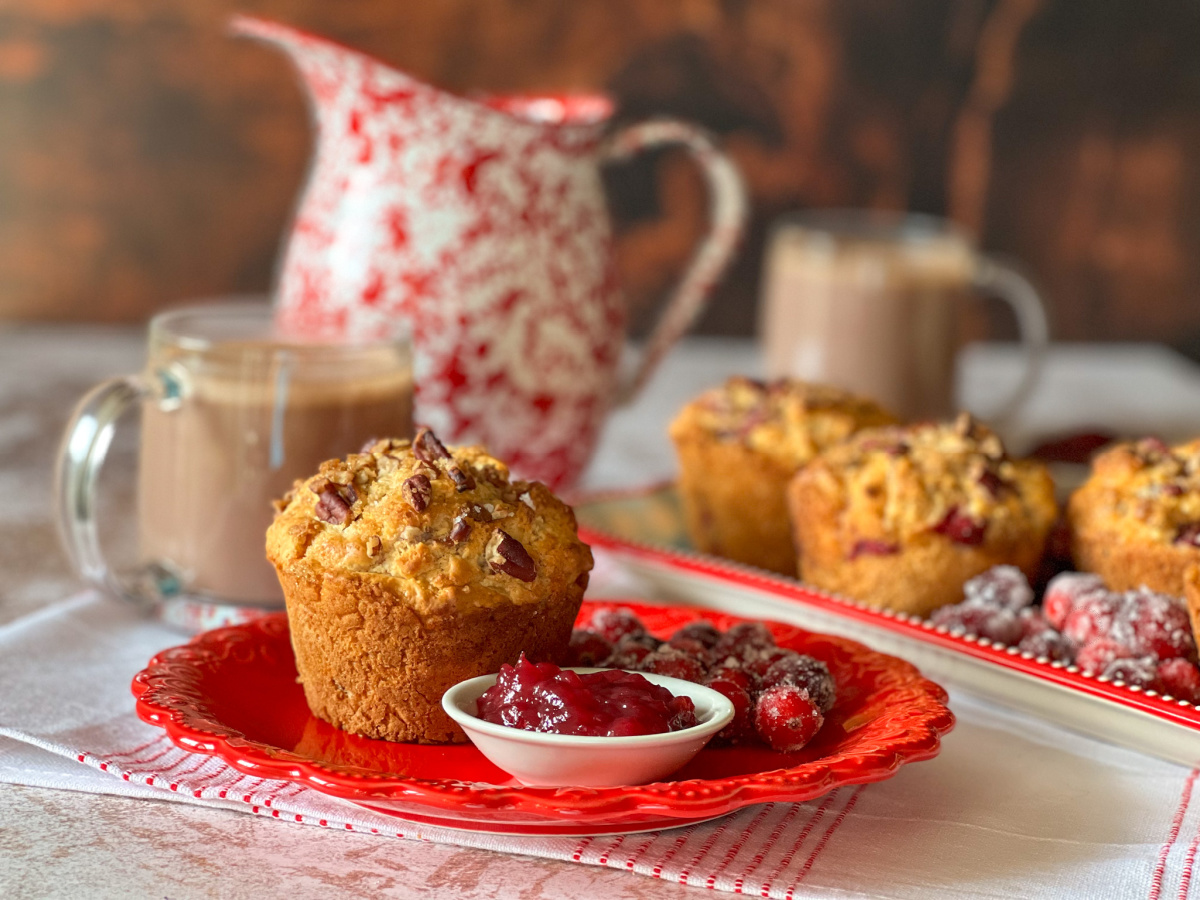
(145, 157)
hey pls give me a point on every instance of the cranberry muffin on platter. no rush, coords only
(412, 566)
(901, 518)
(1136, 520)
(740, 444)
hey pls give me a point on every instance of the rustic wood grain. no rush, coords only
(146, 157)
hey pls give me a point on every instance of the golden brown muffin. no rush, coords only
(1191, 598)
(1136, 520)
(740, 444)
(410, 567)
(901, 518)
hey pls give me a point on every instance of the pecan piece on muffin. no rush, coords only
(740, 444)
(901, 518)
(411, 566)
(1136, 520)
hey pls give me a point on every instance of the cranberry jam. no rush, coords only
(612, 703)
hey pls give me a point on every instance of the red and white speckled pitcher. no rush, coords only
(481, 225)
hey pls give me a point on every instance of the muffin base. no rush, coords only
(917, 580)
(1126, 564)
(370, 665)
(1191, 598)
(735, 503)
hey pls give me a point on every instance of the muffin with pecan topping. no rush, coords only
(1136, 520)
(412, 566)
(740, 444)
(901, 518)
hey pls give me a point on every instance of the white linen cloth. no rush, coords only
(1013, 807)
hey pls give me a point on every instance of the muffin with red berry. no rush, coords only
(1136, 520)
(901, 518)
(412, 566)
(740, 444)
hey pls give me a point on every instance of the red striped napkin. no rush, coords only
(1014, 807)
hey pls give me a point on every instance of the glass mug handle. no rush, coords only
(999, 279)
(85, 443)
(727, 219)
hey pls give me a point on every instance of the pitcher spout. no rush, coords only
(326, 67)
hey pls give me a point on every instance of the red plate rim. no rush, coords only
(169, 695)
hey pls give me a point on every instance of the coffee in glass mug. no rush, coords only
(232, 414)
(870, 302)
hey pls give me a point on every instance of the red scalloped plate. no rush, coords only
(232, 693)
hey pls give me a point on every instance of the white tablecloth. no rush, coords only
(1013, 807)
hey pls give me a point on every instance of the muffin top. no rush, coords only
(895, 485)
(1145, 490)
(440, 526)
(787, 420)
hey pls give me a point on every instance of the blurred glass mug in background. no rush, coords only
(231, 416)
(869, 302)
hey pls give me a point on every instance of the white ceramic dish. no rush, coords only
(536, 758)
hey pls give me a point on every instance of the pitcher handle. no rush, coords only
(727, 219)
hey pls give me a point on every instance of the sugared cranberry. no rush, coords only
(804, 672)
(786, 718)
(743, 663)
(1095, 657)
(743, 638)
(646, 639)
(1032, 621)
(1092, 617)
(614, 624)
(610, 703)
(958, 617)
(996, 624)
(1140, 672)
(1065, 590)
(628, 654)
(704, 632)
(588, 649)
(1180, 679)
(741, 727)
(692, 648)
(1158, 625)
(1047, 643)
(736, 674)
(1003, 587)
(667, 660)
(757, 662)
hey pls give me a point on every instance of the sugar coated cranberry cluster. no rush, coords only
(542, 697)
(779, 696)
(1139, 637)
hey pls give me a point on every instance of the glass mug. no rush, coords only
(869, 302)
(232, 414)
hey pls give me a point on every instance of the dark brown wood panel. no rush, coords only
(146, 157)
